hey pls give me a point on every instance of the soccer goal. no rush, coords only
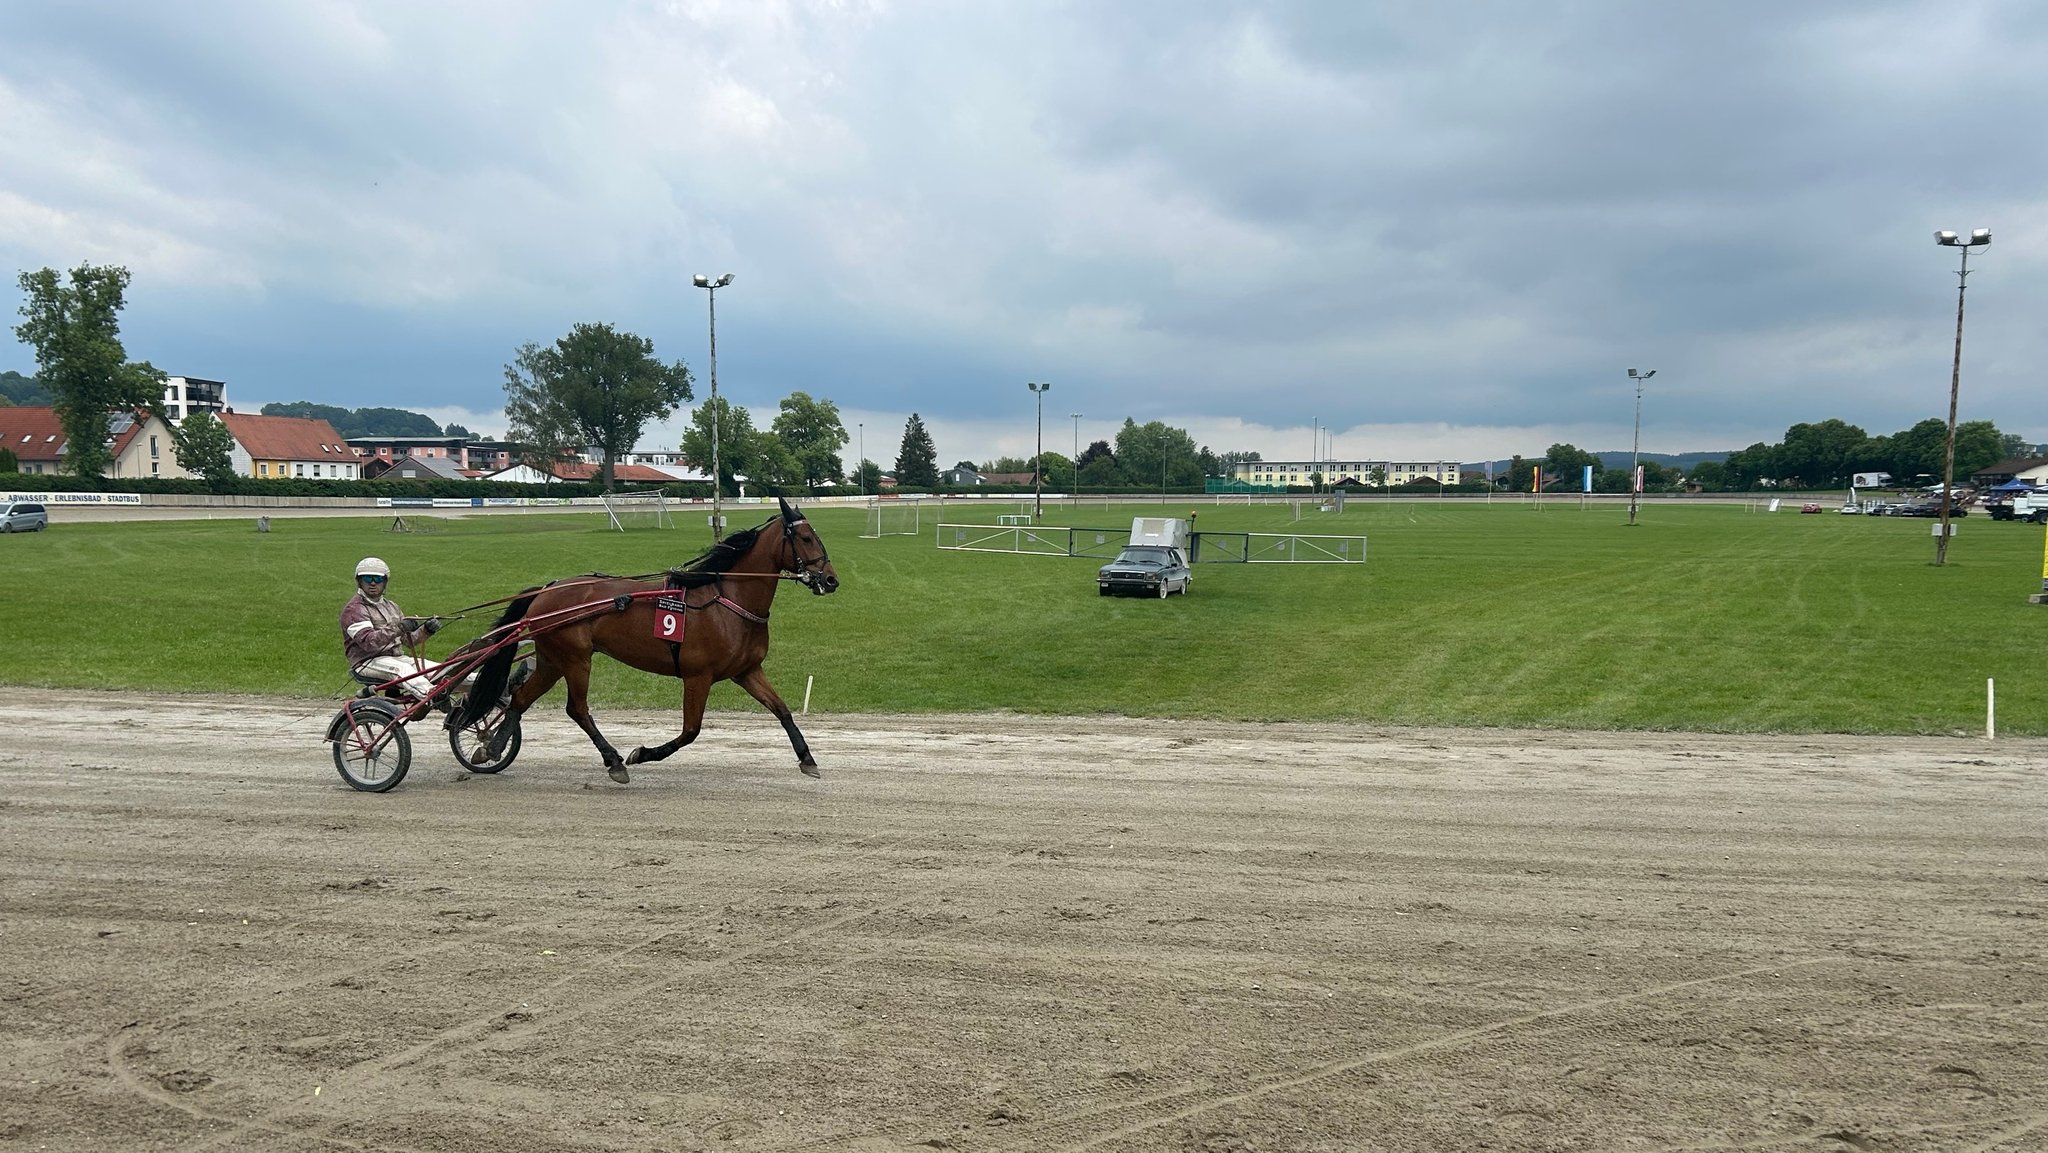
(902, 516)
(632, 511)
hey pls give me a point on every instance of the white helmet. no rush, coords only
(371, 566)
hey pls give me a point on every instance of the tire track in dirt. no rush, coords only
(129, 1037)
(1086, 1131)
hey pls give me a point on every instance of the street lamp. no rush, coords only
(1038, 463)
(711, 288)
(1635, 452)
(862, 445)
(1978, 239)
(1076, 462)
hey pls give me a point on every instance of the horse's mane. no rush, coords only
(719, 558)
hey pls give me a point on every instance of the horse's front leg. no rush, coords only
(578, 676)
(756, 683)
(695, 691)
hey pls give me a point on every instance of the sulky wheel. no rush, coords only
(372, 750)
(490, 744)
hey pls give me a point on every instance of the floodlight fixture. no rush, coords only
(711, 288)
(1635, 453)
(1979, 238)
(1038, 391)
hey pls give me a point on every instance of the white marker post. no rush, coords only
(1990, 709)
(807, 693)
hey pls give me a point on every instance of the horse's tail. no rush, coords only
(491, 676)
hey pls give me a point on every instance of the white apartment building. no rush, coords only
(184, 395)
(1333, 472)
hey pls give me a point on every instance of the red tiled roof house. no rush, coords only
(279, 447)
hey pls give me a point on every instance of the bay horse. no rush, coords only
(716, 606)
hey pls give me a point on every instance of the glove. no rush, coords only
(432, 625)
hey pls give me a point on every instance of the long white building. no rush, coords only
(1331, 472)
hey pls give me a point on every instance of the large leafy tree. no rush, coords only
(1823, 454)
(1568, 462)
(1156, 454)
(738, 441)
(203, 445)
(917, 458)
(75, 327)
(604, 384)
(812, 433)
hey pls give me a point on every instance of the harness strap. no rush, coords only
(741, 610)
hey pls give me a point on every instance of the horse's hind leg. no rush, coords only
(695, 691)
(578, 676)
(756, 683)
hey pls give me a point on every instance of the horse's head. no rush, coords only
(805, 554)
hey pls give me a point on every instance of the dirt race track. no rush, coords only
(1001, 933)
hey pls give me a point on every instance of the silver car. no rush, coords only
(23, 516)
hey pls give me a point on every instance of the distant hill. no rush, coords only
(360, 421)
(23, 390)
(1682, 461)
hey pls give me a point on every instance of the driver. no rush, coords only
(375, 632)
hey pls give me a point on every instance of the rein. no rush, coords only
(801, 575)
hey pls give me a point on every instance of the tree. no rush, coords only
(75, 329)
(868, 477)
(8, 461)
(457, 430)
(604, 384)
(1569, 462)
(1711, 475)
(737, 441)
(1822, 455)
(203, 445)
(917, 459)
(1155, 454)
(1058, 469)
(1750, 467)
(812, 433)
(1100, 472)
(771, 463)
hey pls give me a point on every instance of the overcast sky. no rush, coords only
(1430, 228)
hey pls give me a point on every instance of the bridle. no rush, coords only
(799, 565)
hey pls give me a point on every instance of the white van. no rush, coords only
(23, 516)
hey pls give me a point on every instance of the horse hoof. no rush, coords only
(618, 773)
(637, 755)
(808, 768)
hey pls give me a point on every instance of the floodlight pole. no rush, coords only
(1038, 462)
(711, 288)
(862, 426)
(1978, 239)
(1635, 452)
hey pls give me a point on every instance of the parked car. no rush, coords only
(1145, 570)
(1809, 507)
(23, 516)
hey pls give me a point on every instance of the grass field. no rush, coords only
(1701, 617)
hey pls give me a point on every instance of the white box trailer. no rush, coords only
(1160, 530)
